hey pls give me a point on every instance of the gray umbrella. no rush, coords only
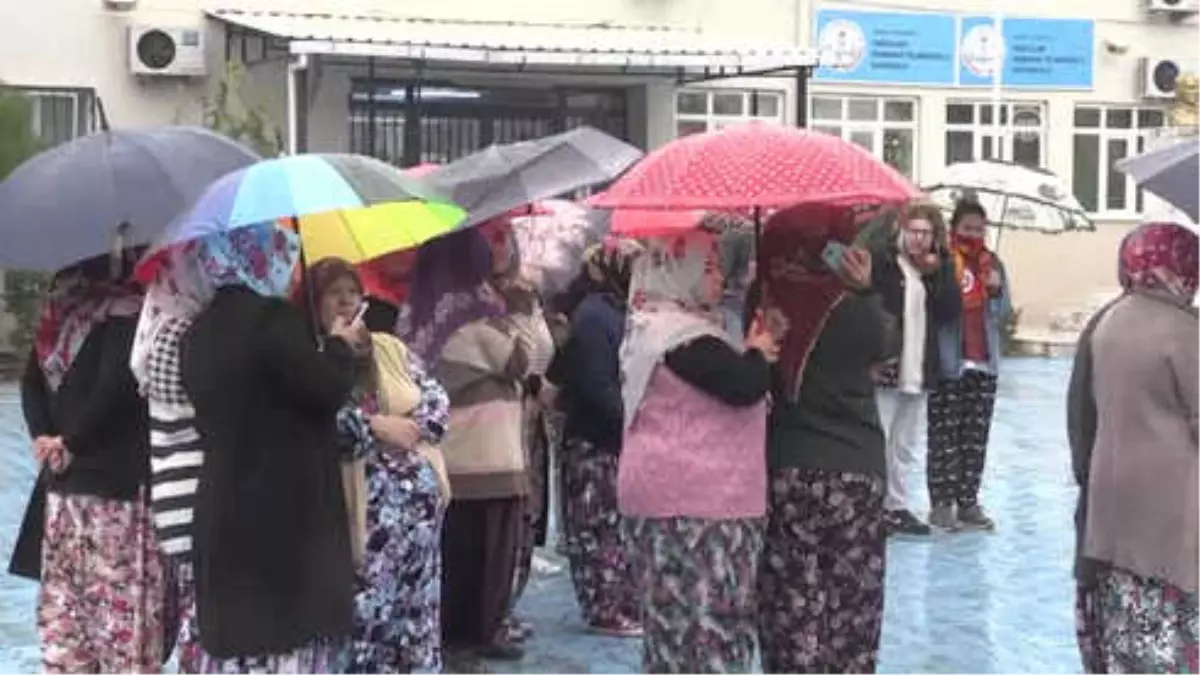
(109, 189)
(500, 178)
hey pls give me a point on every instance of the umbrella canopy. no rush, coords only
(552, 240)
(648, 223)
(501, 178)
(757, 164)
(348, 206)
(1014, 196)
(1171, 172)
(107, 190)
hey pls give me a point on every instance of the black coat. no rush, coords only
(943, 303)
(272, 551)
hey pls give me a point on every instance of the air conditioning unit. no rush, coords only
(1173, 6)
(1159, 75)
(163, 51)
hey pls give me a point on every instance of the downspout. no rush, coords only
(296, 65)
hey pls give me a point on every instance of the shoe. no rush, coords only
(902, 521)
(974, 518)
(624, 628)
(942, 517)
(516, 630)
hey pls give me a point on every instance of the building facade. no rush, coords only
(1082, 83)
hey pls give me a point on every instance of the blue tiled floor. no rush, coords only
(978, 603)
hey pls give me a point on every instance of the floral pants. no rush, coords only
(1126, 623)
(101, 599)
(959, 422)
(822, 577)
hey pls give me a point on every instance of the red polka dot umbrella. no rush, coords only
(755, 165)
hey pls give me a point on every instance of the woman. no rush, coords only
(692, 477)
(1132, 421)
(738, 269)
(100, 602)
(962, 403)
(272, 557)
(601, 569)
(483, 364)
(173, 299)
(821, 582)
(914, 276)
(395, 487)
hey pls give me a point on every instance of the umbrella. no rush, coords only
(501, 178)
(552, 240)
(1171, 172)
(755, 165)
(107, 190)
(660, 223)
(1014, 196)
(348, 206)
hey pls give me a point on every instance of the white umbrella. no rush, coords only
(1171, 172)
(1014, 196)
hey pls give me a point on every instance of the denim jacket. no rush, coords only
(950, 335)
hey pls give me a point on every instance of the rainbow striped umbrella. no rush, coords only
(348, 206)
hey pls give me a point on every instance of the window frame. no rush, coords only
(1138, 139)
(713, 120)
(83, 101)
(877, 127)
(1004, 134)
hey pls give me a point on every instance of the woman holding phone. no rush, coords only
(821, 581)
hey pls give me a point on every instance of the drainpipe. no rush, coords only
(297, 63)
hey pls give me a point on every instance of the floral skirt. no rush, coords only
(596, 548)
(1126, 623)
(398, 604)
(101, 597)
(697, 580)
(822, 577)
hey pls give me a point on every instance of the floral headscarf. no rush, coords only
(75, 303)
(1161, 257)
(179, 292)
(673, 296)
(261, 258)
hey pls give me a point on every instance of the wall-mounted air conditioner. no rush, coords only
(1158, 76)
(167, 51)
(1173, 6)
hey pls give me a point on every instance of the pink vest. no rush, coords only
(689, 454)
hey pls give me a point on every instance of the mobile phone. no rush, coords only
(833, 254)
(360, 312)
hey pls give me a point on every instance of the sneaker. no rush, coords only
(625, 628)
(942, 517)
(902, 521)
(974, 518)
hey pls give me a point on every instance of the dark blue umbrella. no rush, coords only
(110, 189)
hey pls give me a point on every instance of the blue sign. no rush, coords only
(898, 48)
(948, 50)
(1040, 53)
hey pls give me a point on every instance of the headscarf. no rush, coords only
(973, 262)
(737, 255)
(670, 295)
(447, 292)
(78, 300)
(178, 292)
(797, 279)
(609, 266)
(1161, 258)
(261, 258)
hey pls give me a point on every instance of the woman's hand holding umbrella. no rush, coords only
(855, 270)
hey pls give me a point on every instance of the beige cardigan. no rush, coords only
(1142, 513)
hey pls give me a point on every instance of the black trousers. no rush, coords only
(960, 420)
(479, 557)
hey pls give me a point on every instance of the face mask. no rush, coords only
(968, 243)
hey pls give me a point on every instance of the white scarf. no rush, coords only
(180, 291)
(912, 353)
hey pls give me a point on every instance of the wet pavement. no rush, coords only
(975, 603)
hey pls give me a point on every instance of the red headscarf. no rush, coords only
(798, 281)
(1154, 248)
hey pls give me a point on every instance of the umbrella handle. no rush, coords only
(310, 298)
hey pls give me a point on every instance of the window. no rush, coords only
(700, 110)
(1103, 136)
(59, 115)
(887, 127)
(973, 134)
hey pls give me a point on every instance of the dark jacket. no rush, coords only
(943, 303)
(272, 551)
(833, 425)
(591, 373)
(103, 422)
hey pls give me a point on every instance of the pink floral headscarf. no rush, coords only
(1162, 257)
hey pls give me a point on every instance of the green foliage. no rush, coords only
(227, 113)
(22, 290)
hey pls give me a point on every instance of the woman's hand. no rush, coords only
(395, 430)
(354, 333)
(856, 268)
(43, 448)
(928, 263)
(758, 337)
(994, 282)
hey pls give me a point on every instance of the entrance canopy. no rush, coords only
(593, 47)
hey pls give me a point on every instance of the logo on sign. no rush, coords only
(982, 50)
(842, 45)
